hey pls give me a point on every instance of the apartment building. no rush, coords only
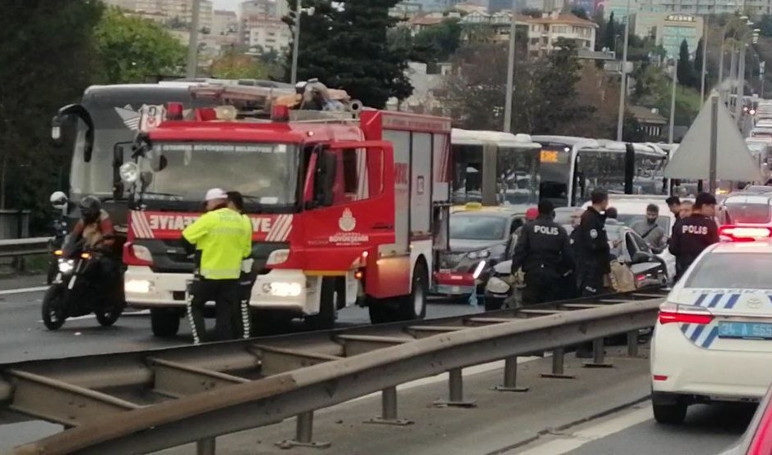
(168, 12)
(544, 32)
(669, 30)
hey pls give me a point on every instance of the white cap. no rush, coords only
(214, 194)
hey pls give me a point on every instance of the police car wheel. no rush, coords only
(670, 413)
(165, 322)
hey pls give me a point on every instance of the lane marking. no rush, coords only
(572, 441)
(24, 290)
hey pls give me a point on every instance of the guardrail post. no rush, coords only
(389, 409)
(598, 355)
(632, 343)
(304, 433)
(510, 377)
(206, 446)
(558, 358)
(456, 391)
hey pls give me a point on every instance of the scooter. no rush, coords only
(78, 290)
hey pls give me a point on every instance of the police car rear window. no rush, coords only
(751, 213)
(735, 271)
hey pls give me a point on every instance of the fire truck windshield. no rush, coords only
(265, 173)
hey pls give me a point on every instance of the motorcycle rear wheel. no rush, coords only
(52, 310)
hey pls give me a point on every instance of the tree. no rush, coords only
(233, 65)
(610, 38)
(440, 41)
(686, 76)
(132, 49)
(698, 63)
(45, 62)
(344, 45)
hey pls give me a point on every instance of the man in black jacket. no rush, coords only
(691, 235)
(593, 247)
(544, 252)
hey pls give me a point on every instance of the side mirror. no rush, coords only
(640, 257)
(59, 200)
(146, 178)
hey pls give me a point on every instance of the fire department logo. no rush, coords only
(347, 222)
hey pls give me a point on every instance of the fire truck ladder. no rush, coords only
(150, 400)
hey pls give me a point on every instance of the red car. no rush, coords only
(757, 439)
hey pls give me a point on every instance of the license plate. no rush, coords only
(455, 289)
(758, 330)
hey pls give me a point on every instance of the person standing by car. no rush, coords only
(674, 204)
(222, 241)
(593, 246)
(691, 235)
(544, 252)
(650, 230)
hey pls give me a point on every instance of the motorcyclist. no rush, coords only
(95, 232)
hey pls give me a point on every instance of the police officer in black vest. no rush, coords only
(593, 247)
(544, 252)
(691, 235)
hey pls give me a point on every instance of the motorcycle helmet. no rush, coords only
(90, 208)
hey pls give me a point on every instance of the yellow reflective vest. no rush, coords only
(224, 240)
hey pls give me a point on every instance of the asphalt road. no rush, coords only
(24, 337)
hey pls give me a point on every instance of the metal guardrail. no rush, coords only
(201, 392)
(24, 247)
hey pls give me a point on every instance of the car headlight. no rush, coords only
(138, 286)
(480, 254)
(66, 265)
(497, 286)
(283, 289)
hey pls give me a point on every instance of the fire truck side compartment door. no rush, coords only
(347, 228)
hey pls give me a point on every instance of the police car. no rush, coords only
(713, 338)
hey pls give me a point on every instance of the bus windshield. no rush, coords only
(114, 110)
(264, 173)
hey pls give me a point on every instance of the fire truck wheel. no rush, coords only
(325, 319)
(381, 310)
(413, 306)
(165, 322)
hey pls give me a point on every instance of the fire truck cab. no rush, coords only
(348, 206)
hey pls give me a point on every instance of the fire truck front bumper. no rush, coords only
(288, 290)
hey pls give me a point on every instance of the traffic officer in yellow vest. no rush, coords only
(221, 241)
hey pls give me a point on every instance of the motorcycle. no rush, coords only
(79, 289)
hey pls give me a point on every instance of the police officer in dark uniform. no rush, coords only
(544, 252)
(592, 246)
(691, 235)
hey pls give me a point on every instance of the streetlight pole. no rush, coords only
(704, 57)
(762, 68)
(623, 82)
(193, 43)
(510, 72)
(296, 44)
(673, 99)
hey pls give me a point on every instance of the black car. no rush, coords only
(480, 237)
(627, 247)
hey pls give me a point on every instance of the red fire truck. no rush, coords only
(348, 206)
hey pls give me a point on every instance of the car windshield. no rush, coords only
(629, 220)
(751, 213)
(474, 227)
(732, 270)
(263, 173)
